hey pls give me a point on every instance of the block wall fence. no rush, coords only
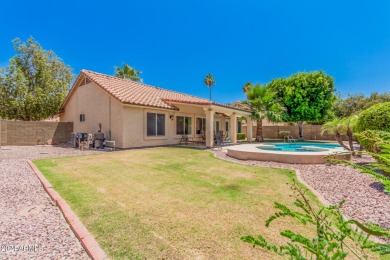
(310, 132)
(39, 133)
(34, 132)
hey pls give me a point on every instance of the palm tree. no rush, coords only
(246, 86)
(336, 128)
(209, 81)
(127, 72)
(264, 104)
(349, 124)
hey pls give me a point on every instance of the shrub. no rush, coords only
(282, 134)
(377, 144)
(241, 136)
(373, 140)
(374, 118)
(335, 238)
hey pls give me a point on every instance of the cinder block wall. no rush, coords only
(310, 132)
(34, 132)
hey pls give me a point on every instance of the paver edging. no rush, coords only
(86, 239)
(316, 193)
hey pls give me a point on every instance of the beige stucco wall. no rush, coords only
(98, 107)
(134, 125)
(128, 122)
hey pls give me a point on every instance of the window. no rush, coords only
(82, 117)
(239, 127)
(227, 126)
(183, 125)
(155, 124)
(200, 125)
(217, 126)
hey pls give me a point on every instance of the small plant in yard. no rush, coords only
(282, 134)
(335, 237)
(241, 136)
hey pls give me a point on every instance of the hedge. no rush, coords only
(241, 136)
(377, 117)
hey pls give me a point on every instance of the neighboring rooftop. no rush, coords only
(131, 92)
(241, 106)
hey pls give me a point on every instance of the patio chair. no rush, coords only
(185, 139)
(203, 136)
(225, 139)
(289, 138)
(218, 139)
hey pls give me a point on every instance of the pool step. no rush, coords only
(314, 148)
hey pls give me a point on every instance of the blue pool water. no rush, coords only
(297, 147)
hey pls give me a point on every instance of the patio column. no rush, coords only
(209, 128)
(249, 127)
(233, 128)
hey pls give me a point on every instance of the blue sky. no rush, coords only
(176, 43)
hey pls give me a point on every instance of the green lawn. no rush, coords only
(172, 203)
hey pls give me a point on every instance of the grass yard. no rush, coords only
(172, 203)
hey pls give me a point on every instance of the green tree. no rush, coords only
(344, 107)
(349, 124)
(34, 84)
(128, 72)
(307, 96)
(264, 104)
(246, 86)
(354, 104)
(336, 128)
(209, 81)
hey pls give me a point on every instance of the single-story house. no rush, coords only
(134, 114)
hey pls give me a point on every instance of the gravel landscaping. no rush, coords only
(40, 151)
(31, 226)
(364, 197)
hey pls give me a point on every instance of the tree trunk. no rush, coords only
(340, 141)
(300, 125)
(259, 131)
(360, 153)
(350, 141)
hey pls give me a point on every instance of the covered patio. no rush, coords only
(209, 119)
(233, 115)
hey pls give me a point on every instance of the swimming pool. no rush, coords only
(299, 152)
(299, 147)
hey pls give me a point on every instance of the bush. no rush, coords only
(372, 141)
(282, 134)
(377, 143)
(335, 238)
(374, 118)
(241, 136)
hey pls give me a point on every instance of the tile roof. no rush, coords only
(241, 106)
(131, 92)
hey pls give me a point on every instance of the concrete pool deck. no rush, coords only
(252, 152)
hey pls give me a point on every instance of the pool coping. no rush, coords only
(252, 152)
(86, 239)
